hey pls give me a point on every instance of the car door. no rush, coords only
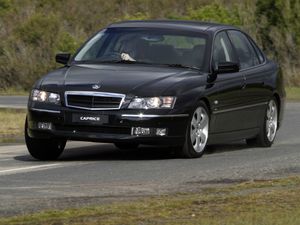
(253, 94)
(225, 90)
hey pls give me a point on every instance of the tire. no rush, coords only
(44, 149)
(126, 146)
(268, 128)
(196, 133)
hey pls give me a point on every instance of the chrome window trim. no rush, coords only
(97, 94)
(45, 110)
(152, 116)
(216, 111)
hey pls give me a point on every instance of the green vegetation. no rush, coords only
(13, 91)
(257, 202)
(12, 124)
(293, 93)
(33, 31)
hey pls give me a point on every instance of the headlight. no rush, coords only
(152, 103)
(43, 96)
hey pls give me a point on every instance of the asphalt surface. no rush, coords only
(18, 102)
(89, 173)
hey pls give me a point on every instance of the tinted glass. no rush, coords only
(223, 51)
(245, 52)
(154, 46)
(258, 52)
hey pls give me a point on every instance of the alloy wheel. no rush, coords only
(272, 120)
(199, 129)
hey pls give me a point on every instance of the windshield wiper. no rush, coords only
(181, 66)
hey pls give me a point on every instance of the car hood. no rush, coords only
(135, 79)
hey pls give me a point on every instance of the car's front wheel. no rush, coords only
(44, 149)
(268, 128)
(197, 132)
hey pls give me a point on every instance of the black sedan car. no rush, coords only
(184, 84)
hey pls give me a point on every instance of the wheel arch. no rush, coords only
(279, 104)
(278, 101)
(205, 100)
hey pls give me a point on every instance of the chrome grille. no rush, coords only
(94, 100)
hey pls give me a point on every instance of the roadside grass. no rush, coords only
(11, 124)
(13, 91)
(293, 93)
(248, 203)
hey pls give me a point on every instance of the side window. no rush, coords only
(258, 52)
(245, 51)
(222, 50)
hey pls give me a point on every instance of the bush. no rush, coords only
(214, 13)
(39, 29)
(5, 6)
(66, 43)
(279, 33)
(33, 31)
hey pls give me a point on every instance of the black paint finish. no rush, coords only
(237, 100)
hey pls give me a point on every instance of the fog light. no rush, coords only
(44, 126)
(161, 131)
(140, 131)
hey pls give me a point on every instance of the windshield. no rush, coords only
(149, 46)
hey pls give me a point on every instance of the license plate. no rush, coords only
(89, 119)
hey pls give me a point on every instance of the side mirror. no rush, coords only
(226, 67)
(63, 58)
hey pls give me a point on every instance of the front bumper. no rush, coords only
(118, 127)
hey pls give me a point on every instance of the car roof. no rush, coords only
(174, 24)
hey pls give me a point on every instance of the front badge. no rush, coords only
(89, 119)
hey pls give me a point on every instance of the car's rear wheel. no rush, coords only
(127, 146)
(197, 133)
(269, 127)
(44, 149)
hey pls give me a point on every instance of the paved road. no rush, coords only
(89, 173)
(18, 102)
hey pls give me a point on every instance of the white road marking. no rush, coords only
(22, 149)
(28, 168)
(9, 165)
(1, 160)
(13, 106)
